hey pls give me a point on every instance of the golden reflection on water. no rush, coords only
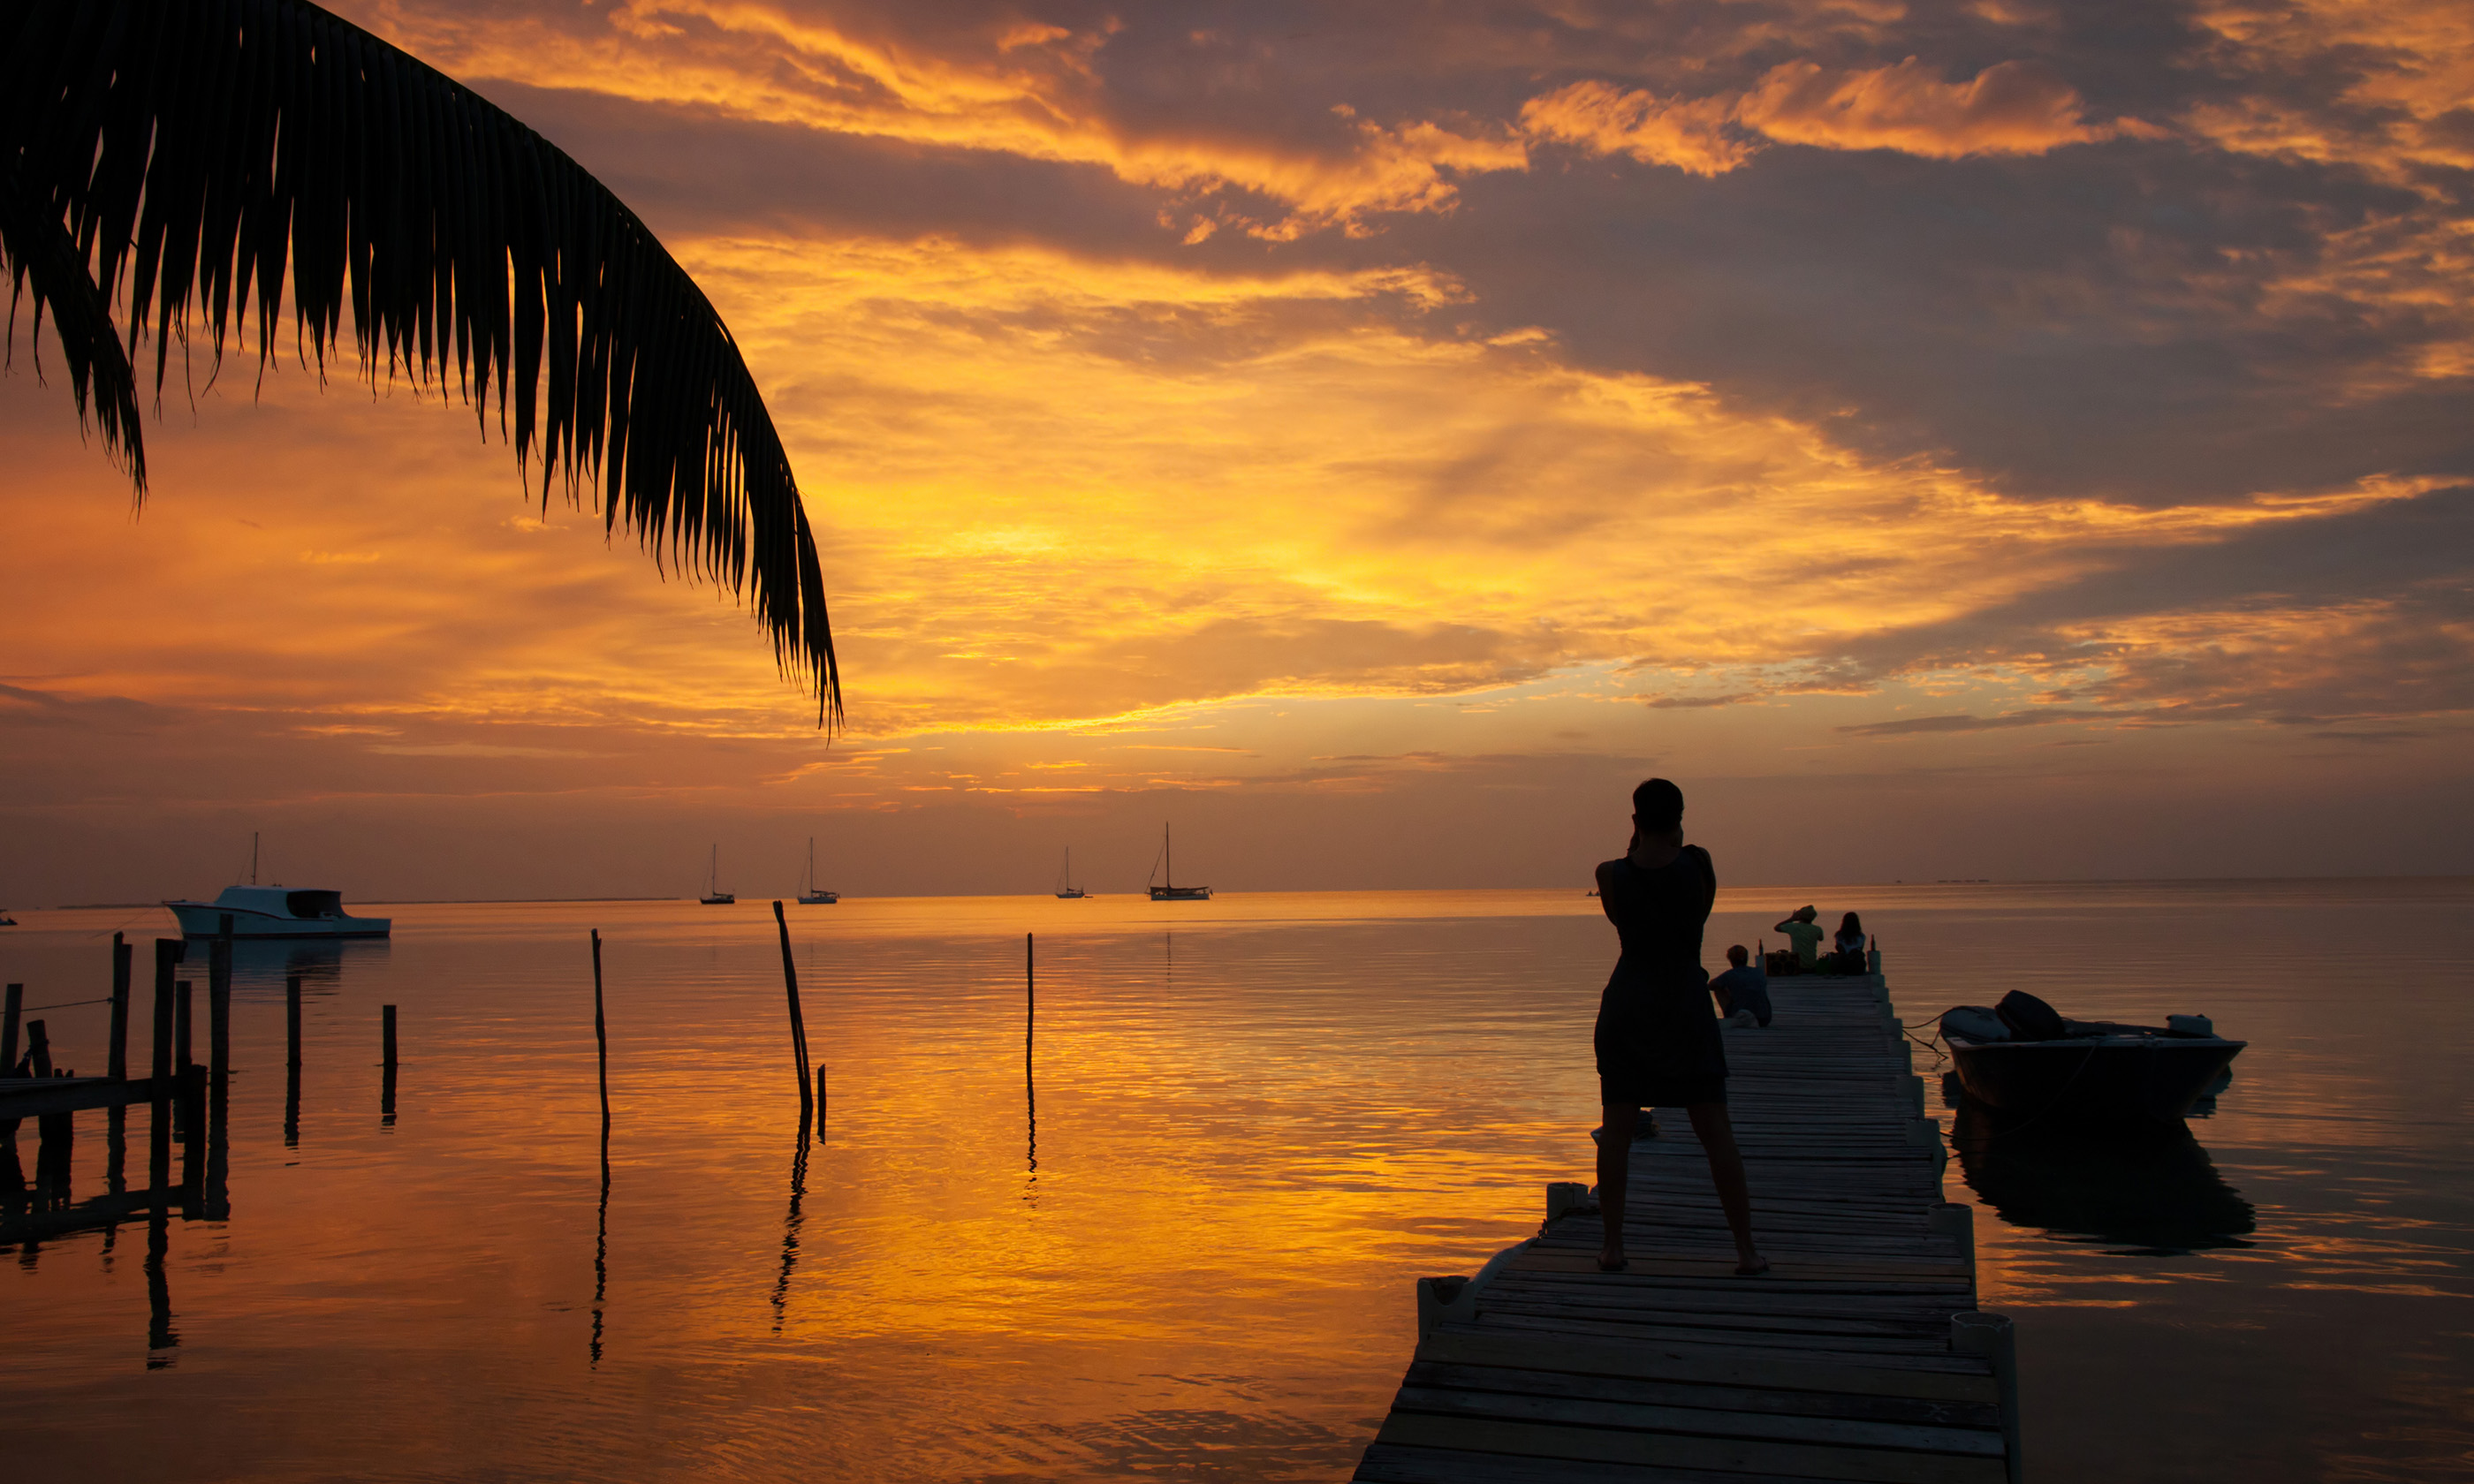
(1184, 1245)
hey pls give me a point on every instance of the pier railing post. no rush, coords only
(1978, 1332)
(168, 953)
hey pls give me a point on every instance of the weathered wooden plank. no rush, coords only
(1698, 1391)
(1390, 1463)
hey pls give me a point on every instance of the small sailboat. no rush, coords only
(1066, 886)
(1165, 888)
(714, 896)
(810, 893)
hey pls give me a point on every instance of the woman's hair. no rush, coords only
(1852, 927)
(1659, 806)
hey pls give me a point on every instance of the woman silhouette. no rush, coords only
(1657, 1042)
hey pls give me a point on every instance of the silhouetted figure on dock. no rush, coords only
(1848, 943)
(1804, 938)
(1657, 1042)
(1742, 990)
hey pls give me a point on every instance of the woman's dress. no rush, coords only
(1656, 1038)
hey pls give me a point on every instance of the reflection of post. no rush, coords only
(386, 1084)
(790, 1231)
(159, 1337)
(798, 1022)
(291, 1061)
(116, 1067)
(602, 1255)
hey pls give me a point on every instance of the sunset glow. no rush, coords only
(1954, 442)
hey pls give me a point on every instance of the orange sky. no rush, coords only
(1984, 440)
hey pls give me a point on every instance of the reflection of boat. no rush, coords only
(2157, 1190)
(810, 893)
(275, 912)
(714, 896)
(2021, 1059)
(1066, 886)
(1166, 888)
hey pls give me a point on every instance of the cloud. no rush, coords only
(2012, 107)
(1914, 726)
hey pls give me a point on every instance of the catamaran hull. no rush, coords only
(2110, 1081)
(204, 919)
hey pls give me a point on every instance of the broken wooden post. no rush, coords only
(798, 1021)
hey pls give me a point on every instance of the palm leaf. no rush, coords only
(192, 160)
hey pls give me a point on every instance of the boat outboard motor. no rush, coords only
(2030, 1018)
(1976, 1022)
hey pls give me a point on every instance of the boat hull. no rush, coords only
(819, 899)
(718, 900)
(204, 919)
(1072, 894)
(2106, 1079)
(1180, 893)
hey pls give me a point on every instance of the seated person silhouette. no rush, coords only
(1742, 991)
(1805, 937)
(1849, 959)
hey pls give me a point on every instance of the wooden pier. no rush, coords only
(1860, 1355)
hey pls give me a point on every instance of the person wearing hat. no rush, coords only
(1805, 935)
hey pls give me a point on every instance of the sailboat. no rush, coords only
(1166, 888)
(714, 896)
(810, 893)
(1066, 886)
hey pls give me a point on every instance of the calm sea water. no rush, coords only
(1179, 1244)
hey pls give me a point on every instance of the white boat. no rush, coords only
(714, 896)
(1166, 889)
(810, 893)
(1065, 887)
(275, 912)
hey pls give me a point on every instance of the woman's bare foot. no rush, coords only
(1612, 1260)
(1751, 1264)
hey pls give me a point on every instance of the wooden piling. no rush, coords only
(38, 1048)
(11, 1010)
(219, 1083)
(117, 1056)
(182, 1060)
(798, 1021)
(168, 953)
(291, 1061)
(601, 1042)
(386, 1079)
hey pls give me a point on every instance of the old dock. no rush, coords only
(1860, 1355)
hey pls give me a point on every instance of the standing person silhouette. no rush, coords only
(1657, 1042)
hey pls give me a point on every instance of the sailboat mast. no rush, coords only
(1168, 855)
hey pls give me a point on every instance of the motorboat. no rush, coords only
(275, 912)
(1164, 888)
(714, 896)
(1065, 887)
(810, 894)
(2021, 1059)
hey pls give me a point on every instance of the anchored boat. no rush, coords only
(1165, 888)
(810, 893)
(1065, 887)
(714, 896)
(2022, 1058)
(275, 912)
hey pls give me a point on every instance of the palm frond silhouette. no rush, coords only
(187, 161)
